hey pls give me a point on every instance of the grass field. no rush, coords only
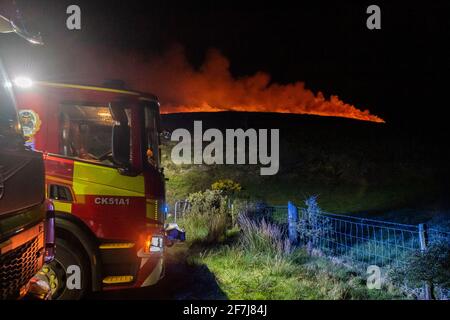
(345, 198)
(352, 166)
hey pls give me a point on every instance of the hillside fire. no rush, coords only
(181, 87)
(212, 88)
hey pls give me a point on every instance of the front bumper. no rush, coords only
(151, 271)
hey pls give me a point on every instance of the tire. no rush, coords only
(67, 254)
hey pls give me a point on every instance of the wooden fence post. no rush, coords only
(423, 239)
(292, 222)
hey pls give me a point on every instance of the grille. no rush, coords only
(17, 267)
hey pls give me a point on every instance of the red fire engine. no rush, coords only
(103, 173)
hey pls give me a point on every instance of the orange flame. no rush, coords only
(212, 87)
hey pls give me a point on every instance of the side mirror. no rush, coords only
(121, 145)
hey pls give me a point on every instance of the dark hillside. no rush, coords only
(352, 165)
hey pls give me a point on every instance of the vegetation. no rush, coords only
(207, 218)
(431, 266)
(262, 237)
(227, 186)
(244, 274)
(352, 166)
(355, 167)
(254, 259)
(279, 189)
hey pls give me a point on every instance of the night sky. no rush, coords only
(399, 73)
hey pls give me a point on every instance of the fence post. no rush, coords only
(185, 207)
(292, 222)
(423, 239)
(175, 213)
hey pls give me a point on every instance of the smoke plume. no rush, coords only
(209, 88)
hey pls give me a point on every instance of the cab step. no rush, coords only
(118, 279)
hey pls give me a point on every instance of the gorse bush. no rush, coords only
(227, 186)
(207, 202)
(207, 217)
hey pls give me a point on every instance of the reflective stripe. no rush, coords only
(83, 87)
(156, 275)
(117, 279)
(151, 209)
(60, 180)
(116, 245)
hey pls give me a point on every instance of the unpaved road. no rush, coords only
(181, 281)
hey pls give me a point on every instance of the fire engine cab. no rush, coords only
(103, 173)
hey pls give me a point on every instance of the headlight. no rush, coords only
(23, 82)
(154, 244)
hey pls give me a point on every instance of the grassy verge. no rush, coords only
(245, 275)
(255, 262)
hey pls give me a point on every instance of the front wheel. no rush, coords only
(68, 273)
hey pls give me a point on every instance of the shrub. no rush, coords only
(206, 220)
(313, 224)
(431, 266)
(227, 186)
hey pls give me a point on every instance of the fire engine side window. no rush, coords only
(152, 136)
(86, 132)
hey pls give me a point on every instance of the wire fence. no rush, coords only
(181, 208)
(359, 240)
(354, 241)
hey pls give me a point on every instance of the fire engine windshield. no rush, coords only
(86, 132)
